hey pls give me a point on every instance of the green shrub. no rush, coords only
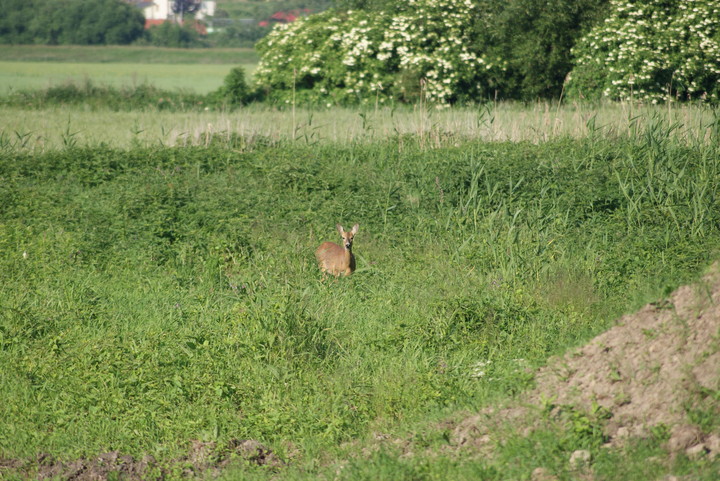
(238, 35)
(235, 89)
(651, 51)
(140, 97)
(169, 34)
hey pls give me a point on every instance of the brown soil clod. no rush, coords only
(646, 372)
(202, 457)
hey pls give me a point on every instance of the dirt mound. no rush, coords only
(649, 371)
(202, 457)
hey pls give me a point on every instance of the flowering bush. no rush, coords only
(420, 47)
(651, 50)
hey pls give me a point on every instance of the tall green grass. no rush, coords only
(154, 295)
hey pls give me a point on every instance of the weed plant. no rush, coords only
(152, 296)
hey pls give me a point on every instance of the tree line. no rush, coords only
(460, 51)
(443, 51)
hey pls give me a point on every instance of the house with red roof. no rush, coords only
(287, 16)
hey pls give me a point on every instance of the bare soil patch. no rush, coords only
(202, 458)
(650, 371)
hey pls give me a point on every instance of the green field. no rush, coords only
(197, 70)
(154, 295)
(159, 295)
(124, 54)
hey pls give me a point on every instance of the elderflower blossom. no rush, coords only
(652, 51)
(421, 48)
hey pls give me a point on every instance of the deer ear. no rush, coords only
(355, 228)
(340, 229)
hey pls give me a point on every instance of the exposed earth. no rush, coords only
(202, 458)
(656, 369)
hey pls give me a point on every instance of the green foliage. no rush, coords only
(237, 23)
(152, 296)
(651, 51)
(89, 95)
(235, 90)
(263, 9)
(170, 34)
(371, 5)
(238, 35)
(445, 51)
(419, 50)
(534, 38)
(78, 22)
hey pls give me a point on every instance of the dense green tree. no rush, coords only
(80, 22)
(15, 20)
(535, 38)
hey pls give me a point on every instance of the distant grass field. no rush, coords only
(199, 71)
(201, 78)
(154, 295)
(123, 54)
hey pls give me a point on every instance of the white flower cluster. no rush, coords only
(652, 50)
(360, 57)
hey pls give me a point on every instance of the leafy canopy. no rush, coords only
(534, 37)
(64, 22)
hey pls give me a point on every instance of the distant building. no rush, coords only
(159, 11)
(286, 16)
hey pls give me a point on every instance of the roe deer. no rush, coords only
(337, 260)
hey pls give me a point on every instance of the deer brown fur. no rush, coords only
(337, 260)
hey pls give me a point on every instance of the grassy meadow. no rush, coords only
(195, 70)
(126, 54)
(158, 285)
(154, 295)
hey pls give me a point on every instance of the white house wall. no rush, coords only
(161, 10)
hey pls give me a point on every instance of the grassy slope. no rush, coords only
(151, 297)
